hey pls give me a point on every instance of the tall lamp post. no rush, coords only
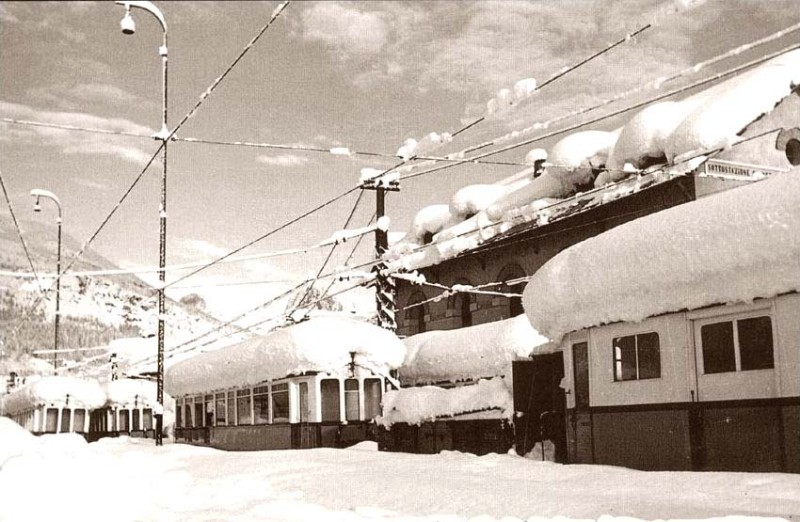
(38, 194)
(129, 27)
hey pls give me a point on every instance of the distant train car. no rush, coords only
(54, 404)
(316, 383)
(129, 409)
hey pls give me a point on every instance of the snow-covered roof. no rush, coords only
(485, 350)
(669, 133)
(427, 403)
(322, 344)
(127, 392)
(55, 391)
(734, 246)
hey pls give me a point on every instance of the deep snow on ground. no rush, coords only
(60, 477)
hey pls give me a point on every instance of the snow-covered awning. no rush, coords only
(428, 403)
(485, 350)
(735, 246)
(56, 391)
(321, 344)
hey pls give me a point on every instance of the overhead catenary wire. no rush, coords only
(637, 105)
(19, 232)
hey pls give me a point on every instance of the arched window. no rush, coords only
(512, 273)
(460, 305)
(415, 315)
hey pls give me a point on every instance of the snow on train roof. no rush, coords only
(485, 350)
(321, 344)
(734, 246)
(493, 397)
(128, 392)
(669, 132)
(56, 391)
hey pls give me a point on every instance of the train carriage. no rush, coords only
(54, 404)
(129, 409)
(316, 383)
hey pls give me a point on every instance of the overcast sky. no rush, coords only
(364, 75)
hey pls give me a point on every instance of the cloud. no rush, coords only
(283, 160)
(345, 28)
(90, 183)
(74, 142)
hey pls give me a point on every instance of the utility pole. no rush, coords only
(384, 286)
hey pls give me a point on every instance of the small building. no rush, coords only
(680, 334)
(316, 383)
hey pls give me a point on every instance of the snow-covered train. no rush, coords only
(61, 404)
(318, 383)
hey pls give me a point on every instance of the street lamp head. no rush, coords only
(127, 24)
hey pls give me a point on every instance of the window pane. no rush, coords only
(199, 414)
(261, 405)
(78, 421)
(231, 409)
(188, 419)
(755, 343)
(718, 351)
(372, 398)
(243, 407)
(649, 356)
(304, 413)
(280, 402)
(123, 420)
(148, 419)
(624, 358)
(65, 420)
(219, 408)
(51, 420)
(136, 425)
(329, 389)
(351, 399)
(179, 415)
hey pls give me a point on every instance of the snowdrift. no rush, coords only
(735, 246)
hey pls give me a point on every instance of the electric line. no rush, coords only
(19, 234)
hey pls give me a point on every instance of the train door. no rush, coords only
(540, 403)
(582, 450)
(734, 361)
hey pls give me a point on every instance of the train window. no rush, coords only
(79, 421)
(123, 420)
(331, 402)
(51, 420)
(637, 357)
(65, 427)
(372, 398)
(231, 408)
(209, 405)
(302, 388)
(188, 419)
(261, 405)
(243, 403)
(739, 345)
(219, 410)
(280, 402)
(179, 414)
(199, 414)
(351, 399)
(147, 415)
(136, 424)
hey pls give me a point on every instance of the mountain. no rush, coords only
(95, 310)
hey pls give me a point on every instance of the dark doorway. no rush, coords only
(540, 403)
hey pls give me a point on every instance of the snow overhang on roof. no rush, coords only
(471, 353)
(320, 344)
(57, 391)
(734, 246)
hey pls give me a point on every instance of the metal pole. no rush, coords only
(162, 250)
(58, 293)
(384, 291)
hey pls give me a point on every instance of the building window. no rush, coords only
(243, 407)
(351, 399)
(738, 345)
(461, 305)
(261, 405)
(280, 402)
(231, 408)
(372, 398)
(637, 357)
(331, 407)
(512, 273)
(219, 410)
(415, 315)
